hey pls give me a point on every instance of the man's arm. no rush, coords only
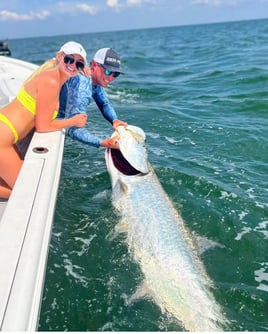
(104, 104)
(84, 136)
(75, 97)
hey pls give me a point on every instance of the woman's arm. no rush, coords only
(47, 102)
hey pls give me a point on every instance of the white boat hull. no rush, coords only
(26, 218)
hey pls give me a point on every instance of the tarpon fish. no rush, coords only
(158, 238)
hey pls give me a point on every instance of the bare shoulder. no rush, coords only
(48, 79)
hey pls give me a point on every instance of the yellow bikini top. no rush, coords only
(26, 99)
(29, 102)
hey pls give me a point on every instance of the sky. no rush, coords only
(33, 18)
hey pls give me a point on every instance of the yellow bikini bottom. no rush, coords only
(6, 121)
(29, 103)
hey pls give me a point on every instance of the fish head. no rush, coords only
(132, 158)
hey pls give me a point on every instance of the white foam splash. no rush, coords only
(73, 270)
(260, 276)
(244, 231)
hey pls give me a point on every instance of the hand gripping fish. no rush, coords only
(158, 238)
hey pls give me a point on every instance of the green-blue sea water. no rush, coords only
(200, 93)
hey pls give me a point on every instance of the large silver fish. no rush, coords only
(158, 239)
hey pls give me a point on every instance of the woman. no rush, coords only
(36, 107)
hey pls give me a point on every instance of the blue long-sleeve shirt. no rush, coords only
(76, 94)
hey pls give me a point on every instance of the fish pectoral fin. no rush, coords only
(204, 244)
(123, 187)
(119, 187)
(141, 293)
(122, 226)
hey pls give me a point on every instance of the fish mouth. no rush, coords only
(121, 164)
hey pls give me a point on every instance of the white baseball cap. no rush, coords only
(74, 48)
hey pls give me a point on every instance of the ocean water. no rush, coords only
(200, 93)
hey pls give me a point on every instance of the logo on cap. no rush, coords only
(113, 60)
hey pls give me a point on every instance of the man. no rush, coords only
(78, 92)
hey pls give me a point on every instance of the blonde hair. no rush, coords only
(49, 65)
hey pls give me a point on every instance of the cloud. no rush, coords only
(130, 3)
(60, 7)
(74, 8)
(12, 16)
(113, 4)
(116, 4)
(87, 8)
(215, 2)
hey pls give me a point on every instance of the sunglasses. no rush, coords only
(70, 60)
(108, 72)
